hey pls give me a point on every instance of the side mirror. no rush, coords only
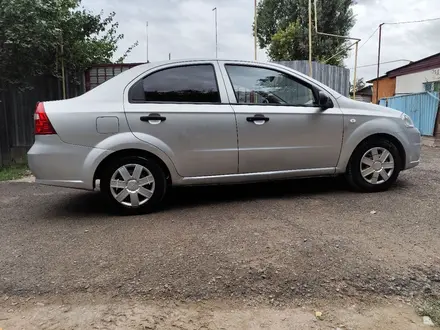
(324, 101)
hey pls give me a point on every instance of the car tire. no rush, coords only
(374, 166)
(133, 185)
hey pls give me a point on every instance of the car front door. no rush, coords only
(178, 108)
(280, 126)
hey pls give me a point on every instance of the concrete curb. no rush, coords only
(429, 141)
(26, 179)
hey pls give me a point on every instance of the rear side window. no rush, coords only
(184, 84)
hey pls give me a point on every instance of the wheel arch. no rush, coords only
(131, 152)
(385, 136)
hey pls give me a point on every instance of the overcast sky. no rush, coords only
(186, 29)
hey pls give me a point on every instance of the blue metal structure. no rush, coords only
(421, 107)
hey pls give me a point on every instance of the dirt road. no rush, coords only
(245, 250)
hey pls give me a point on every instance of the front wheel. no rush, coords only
(374, 166)
(133, 184)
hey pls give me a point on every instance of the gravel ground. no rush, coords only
(276, 244)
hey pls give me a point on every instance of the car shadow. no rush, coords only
(180, 197)
(93, 203)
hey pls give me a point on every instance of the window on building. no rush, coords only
(433, 86)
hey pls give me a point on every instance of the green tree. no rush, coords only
(35, 35)
(283, 29)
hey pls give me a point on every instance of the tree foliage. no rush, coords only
(283, 29)
(36, 35)
(360, 83)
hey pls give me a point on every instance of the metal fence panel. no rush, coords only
(421, 107)
(99, 74)
(17, 108)
(335, 77)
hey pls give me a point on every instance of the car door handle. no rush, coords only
(258, 119)
(154, 118)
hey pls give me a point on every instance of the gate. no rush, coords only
(421, 107)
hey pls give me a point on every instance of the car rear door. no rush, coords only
(183, 109)
(280, 127)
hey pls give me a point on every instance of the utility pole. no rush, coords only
(216, 33)
(378, 61)
(355, 70)
(148, 61)
(356, 43)
(255, 30)
(310, 39)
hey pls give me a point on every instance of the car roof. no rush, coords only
(189, 60)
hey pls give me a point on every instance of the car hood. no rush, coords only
(347, 104)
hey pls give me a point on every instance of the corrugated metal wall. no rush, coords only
(337, 78)
(421, 107)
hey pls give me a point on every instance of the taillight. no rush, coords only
(42, 122)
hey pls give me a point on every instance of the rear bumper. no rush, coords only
(56, 163)
(411, 142)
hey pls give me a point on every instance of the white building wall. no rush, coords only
(413, 82)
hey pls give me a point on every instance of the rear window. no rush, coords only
(183, 84)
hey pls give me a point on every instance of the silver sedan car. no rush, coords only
(199, 122)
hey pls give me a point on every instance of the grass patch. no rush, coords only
(431, 308)
(13, 172)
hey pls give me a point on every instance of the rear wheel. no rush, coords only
(374, 166)
(133, 184)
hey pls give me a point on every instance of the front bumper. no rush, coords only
(56, 163)
(411, 142)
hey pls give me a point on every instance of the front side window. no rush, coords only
(184, 84)
(253, 85)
